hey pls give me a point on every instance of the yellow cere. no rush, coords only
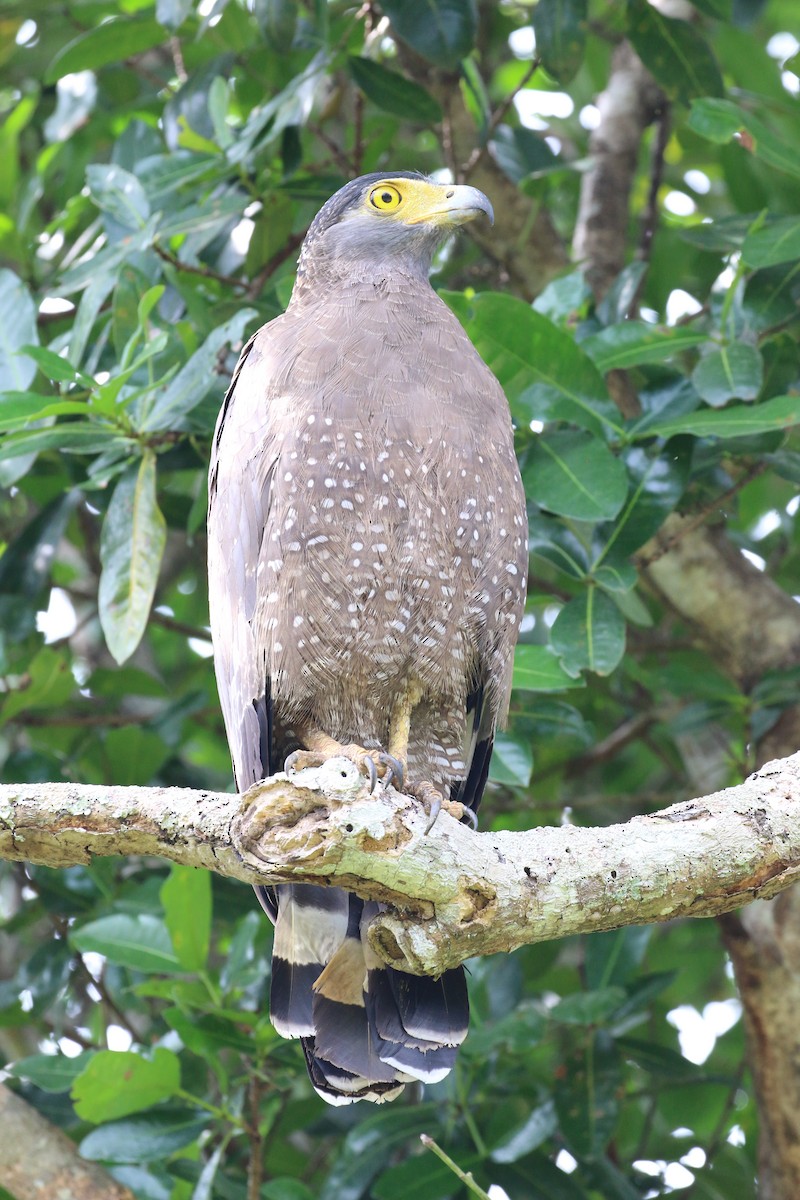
(411, 200)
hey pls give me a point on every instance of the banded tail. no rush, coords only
(366, 1029)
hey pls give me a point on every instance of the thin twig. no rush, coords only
(464, 1176)
(497, 117)
(257, 283)
(664, 546)
(205, 272)
(255, 1166)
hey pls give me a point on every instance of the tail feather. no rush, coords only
(366, 1029)
(310, 927)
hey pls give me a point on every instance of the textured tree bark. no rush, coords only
(745, 621)
(39, 1162)
(452, 893)
(751, 626)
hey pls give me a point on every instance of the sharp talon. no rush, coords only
(298, 760)
(394, 771)
(435, 809)
(470, 817)
(372, 771)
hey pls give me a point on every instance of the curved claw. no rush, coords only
(394, 771)
(470, 817)
(305, 758)
(368, 762)
(434, 810)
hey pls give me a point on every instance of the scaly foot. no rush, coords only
(433, 802)
(374, 764)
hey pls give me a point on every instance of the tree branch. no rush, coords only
(452, 893)
(38, 1160)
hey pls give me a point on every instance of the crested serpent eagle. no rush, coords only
(367, 562)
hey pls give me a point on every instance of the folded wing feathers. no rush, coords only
(366, 1029)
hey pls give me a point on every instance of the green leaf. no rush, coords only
(110, 42)
(131, 545)
(17, 330)
(589, 634)
(777, 243)
(119, 194)
(116, 1083)
(195, 378)
(661, 1061)
(587, 1095)
(278, 22)
(632, 343)
(141, 943)
(614, 957)
(721, 120)
(367, 1146)
(443, 31)
(546, 376)
(393, 92)
(658, 484)
(717, 120)
(674, 51)
(186, 897)
(150, 1138)
(55, 367)
(172, 13)
(737, 421)
(523, 154)
(512, 761)
(536, 669)
(537, 1127)
(560, 27)
(732, 372)
(575, 475)
(48, 683)
(423, 1176)
(51, 1072)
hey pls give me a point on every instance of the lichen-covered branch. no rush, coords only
(452, 893)
(38, 1161)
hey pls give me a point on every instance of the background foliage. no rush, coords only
(160, 165)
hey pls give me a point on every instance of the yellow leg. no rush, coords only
(400, 721)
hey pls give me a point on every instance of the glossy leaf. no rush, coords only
(674, 51)
(589, 634)
(51, 1072)
(536, 669)
(118, 193)
(721, 120)
(131, 546)
(186, 897)
(141, 943)
(443, 31)
(658, 482)
(151, 1137)
(546, 376)
(116, 1083)
(632, 343)
(586, 1095)
(560, 36)
(732, 372)
(575, 475)
(512, 761)
(193, 380)
(110, 42)
(739, 420)
(778, 243)
(392, 92)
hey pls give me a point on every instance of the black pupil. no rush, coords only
(387, 197)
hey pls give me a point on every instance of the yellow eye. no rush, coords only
(385, 197)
